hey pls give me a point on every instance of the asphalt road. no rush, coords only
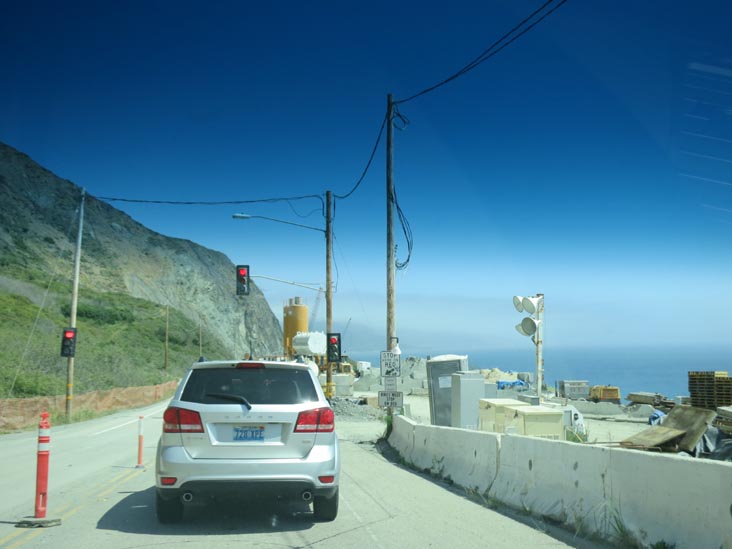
(104, 500)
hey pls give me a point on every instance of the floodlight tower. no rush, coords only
(533, 326)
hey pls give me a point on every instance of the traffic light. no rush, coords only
(334, 347)
(68, 342)
(242, 280)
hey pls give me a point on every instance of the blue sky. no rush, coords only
(590, 160)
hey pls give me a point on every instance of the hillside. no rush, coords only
(129, 277)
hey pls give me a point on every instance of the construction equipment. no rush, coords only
(605, 393)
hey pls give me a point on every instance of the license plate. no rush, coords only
(249, 434)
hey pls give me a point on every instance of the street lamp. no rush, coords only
(328, 231)
(533, 326)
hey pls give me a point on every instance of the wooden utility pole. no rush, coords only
(390, 249)
(167, 327)
(329, 385)
(74, 300)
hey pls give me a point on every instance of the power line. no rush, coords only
(490, 51)
(368, 164)
(407, 229)
(208, 203)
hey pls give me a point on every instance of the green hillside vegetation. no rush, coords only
(120, 343)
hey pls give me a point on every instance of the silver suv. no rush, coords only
(252, 428)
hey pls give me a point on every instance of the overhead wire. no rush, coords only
(209, 203)
(490, 52)
(504, 41)
(368, 164)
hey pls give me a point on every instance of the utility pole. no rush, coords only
(74, 300)
(329, 385)
(167, 326)
(390, 249)
(539, 346)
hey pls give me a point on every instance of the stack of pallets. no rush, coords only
(710, 389)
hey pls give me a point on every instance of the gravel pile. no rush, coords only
(355, 409)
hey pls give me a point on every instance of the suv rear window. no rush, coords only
(257, 386)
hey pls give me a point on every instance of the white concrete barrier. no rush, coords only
(620, 495)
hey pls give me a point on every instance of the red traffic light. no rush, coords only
(333, 340)
(242, 280)
(68, 342)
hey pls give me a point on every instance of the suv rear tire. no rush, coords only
(326, 509)
(168, 510)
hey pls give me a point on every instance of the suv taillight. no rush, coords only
(180, 420)
(320, 420)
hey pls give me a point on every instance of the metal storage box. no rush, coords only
(535, 421)
(439, 385)
(490, 413)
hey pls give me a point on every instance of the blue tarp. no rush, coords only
(510, 384)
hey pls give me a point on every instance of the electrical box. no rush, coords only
(491, 413)
(439, 386)
(535, 421)
(467, 390)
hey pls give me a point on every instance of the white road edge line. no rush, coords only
(128, 422)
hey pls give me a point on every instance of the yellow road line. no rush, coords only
(68, 511)
(15, 534)
(115, 485)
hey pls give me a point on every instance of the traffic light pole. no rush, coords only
(74, 299)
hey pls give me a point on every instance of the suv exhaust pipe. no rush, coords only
(307, 495)
(187, 497)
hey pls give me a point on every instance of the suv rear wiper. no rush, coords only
(229, 396)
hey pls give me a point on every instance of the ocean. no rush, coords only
(652, 369)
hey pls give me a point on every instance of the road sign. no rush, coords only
(391, 399)
(390, 364)
(390, 383)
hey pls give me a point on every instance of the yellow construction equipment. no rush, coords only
(605, 393)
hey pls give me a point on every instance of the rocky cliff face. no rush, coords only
(38, 229)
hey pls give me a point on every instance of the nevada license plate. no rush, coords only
(251, 434)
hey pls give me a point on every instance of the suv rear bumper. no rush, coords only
(196, 490)
(267, 477)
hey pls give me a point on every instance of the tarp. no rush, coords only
(510, 384)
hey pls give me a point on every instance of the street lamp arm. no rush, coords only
(247, 216)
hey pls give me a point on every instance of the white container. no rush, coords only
(535, 421)
(343, 384)
(490, 413)
(309, 343)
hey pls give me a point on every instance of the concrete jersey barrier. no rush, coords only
(613, 493)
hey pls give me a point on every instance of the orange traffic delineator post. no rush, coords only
(41, 499)
(44, 453)
(139, 444)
